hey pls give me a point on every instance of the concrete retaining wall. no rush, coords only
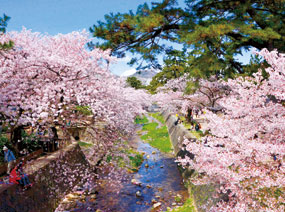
(203, 195)
(53, 176)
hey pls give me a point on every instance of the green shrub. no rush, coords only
(30, 142)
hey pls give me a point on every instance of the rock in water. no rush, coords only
(156, 205)
(138, 194)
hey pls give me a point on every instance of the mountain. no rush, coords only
(145, 76)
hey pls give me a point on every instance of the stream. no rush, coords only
(157, 185)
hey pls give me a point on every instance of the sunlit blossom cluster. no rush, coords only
(43, 77)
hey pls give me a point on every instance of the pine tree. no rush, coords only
(3, 24)
(212, 31)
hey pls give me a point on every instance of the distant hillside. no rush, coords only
(144, 76)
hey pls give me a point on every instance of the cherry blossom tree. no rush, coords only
(186, 93)
(246, 150)
(43, 78)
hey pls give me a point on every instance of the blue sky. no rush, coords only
(64, 16)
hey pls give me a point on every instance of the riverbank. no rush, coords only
(52, 176)
(203, 196)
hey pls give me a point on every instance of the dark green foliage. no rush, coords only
(136, 160)
(175, 65)
(3, 25)
(213, 32)
(134, 82)
(30, 142)
(4, 142)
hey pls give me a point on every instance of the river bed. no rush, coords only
(156, 186)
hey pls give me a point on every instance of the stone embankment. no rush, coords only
(52, 176)
(203, 195)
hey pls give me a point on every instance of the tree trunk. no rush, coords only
(16, 138)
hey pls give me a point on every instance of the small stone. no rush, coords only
(157, 197)
(146, 165)
(173, 204)
(161, 166)
(153, 152)
(156, 205)
(82, 197)
(153, 201)
(148, 186)
(65, 201)
(93, 191)
(135, 182)
(79, 188)
(71, 196)
(160, 189)
(147, 156)
(78, 193)
(138, 194)
(93, 196)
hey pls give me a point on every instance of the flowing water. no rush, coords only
(158, 181)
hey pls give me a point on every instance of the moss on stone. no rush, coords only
(188, 206)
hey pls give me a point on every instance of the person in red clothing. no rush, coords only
(18, 176)
(14, 177)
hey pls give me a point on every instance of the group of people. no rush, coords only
(189, 118)
(16, 174)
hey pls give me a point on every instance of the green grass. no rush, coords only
(139, 120)
(187, 207)
(84, 144)
(157, 137)
(85, 110)
(158, 117)
(135, 159)
(150, 126)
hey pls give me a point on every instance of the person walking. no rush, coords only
(9, 158)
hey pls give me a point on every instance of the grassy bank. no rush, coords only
(156, 136)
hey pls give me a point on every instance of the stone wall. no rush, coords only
(52, 176)
(203, 195)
